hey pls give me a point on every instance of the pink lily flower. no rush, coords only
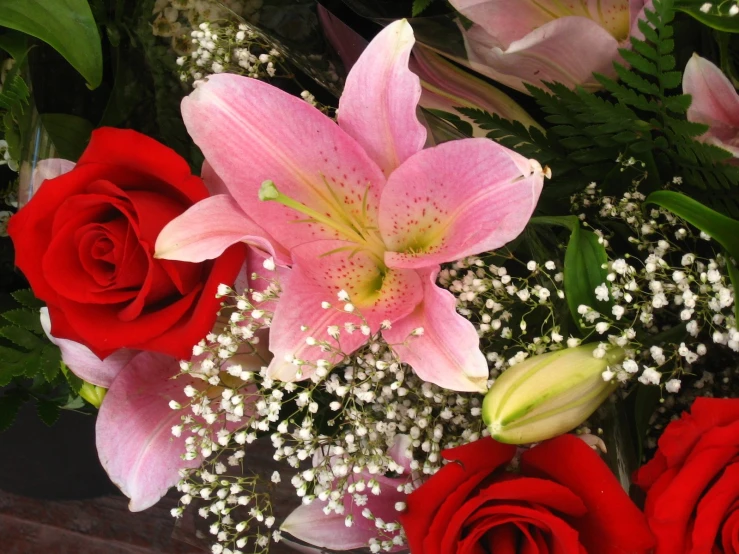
(310, 524)
(134, 425)
(530, 41)
(360, 206)
(715, 103)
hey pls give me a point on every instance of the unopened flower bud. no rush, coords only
(547, 395)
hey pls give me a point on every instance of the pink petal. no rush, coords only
(207, 228)
(446, 86)
(317, 277)
(457, 199)
(401, 451)
(510, 20)
(346, 41)
(133, 431)
(45, 169)
(310, 524)
(715, 101)
(255, 277)
(83, 362)
(553, 52)
(378, 106)
(213, 182)
(251, 132)
(448, 353)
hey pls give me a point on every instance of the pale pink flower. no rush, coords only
(360, 207)
(715, 103)
(531, 41)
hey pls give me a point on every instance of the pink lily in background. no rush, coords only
(445, 86)
(360, 206)
(530, 41)
(310, 524)
(133, 432)
(715, 103)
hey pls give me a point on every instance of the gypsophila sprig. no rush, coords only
(671, 290)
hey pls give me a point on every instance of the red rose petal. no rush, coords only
(502, 539)
(672, 509)
(714, 508)
(182, 336)
(443, 493)
(730, 534)
(613, 523)
(126, 150)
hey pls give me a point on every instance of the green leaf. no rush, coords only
(75, 383)
(419, 6)
(67, 25)
(584, 271)
(10, 403)
(26, 319)
(21, 337)
(722, 229)
(716, 18)
(48, 411)
(69, 133)
(9, 364)
(25, 297)
(50, 362)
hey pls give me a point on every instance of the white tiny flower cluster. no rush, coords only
(343, 419)
(659, 294)
(223, 391)
(501, 302)
(174, 18)
(720, 8)
(239, 49)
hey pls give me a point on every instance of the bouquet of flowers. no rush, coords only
(472, 280)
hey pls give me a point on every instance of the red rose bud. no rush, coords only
(85, 242)
(547, 395)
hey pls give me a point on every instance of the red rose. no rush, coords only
(85, 242)
(563, 499)
(692, 483)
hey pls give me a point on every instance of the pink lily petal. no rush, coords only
(448, 353)
(207, 228)
(378, 105)
(510, 20)
(715, 102)
(317, 276)
(44, 170)
(346, 41)
(311, 525)
(552, 52)
(83, 362)
(255, 277)
(309, 158)
(457, 199)
(133, 431)
(213, 182)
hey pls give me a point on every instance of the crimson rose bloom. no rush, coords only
(692, 483)
(86, 241)
(562, 500)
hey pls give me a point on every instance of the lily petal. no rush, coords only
(309, 158)
(83, 362)
(715, 102)
(310, 524)
(207, 228)
(457, 199)
(378, 105)
(321, 270)
(448, 352)
(552, 52)
(510, 20)
(133, 430)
